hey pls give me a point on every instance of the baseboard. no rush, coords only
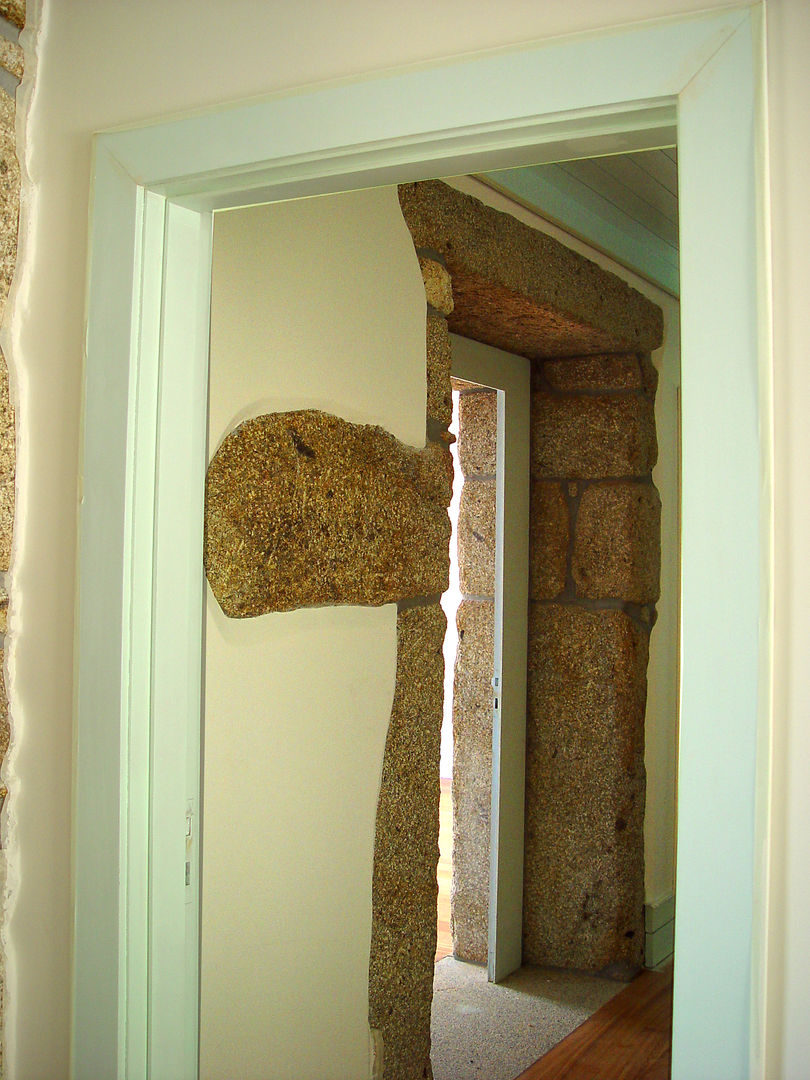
(659, 932)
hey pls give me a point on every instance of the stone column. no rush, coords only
(594, 580)
(472, 692)
(406, 849)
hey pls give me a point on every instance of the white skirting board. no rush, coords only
(659, 932)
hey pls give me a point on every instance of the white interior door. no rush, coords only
(510, 376)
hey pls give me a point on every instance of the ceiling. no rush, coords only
(625, 205)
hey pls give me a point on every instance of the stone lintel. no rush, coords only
(521, 290)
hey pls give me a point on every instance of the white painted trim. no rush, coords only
(510, 376)
(476, 114)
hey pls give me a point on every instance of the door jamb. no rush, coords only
(153, 191)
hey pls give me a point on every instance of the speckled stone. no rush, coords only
(439, 390)
(477, 432)
(472, 779)
(584, 857)
(305, 509)
(7, 468)
(14, 11)
(617, 543)
(9, 196)
(4, 724)
(406, 850)
(521, 290)
(12, 57)
(438, 286)
(583, 437)
(611, 372)
(549, 538)
(476, 538)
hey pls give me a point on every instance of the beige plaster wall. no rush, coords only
(310, 302)
(103, 64)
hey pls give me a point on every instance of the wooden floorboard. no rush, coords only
(629, 1038)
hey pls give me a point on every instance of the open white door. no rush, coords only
(510, 376)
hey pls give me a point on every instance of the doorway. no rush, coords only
(710, 148)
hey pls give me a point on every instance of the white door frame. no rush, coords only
(140, 580)
(510, 377)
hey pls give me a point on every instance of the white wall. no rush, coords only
(314, 304)
(105, 64)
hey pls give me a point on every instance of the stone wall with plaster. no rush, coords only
(594, 561)
(472, 688)
(306, 509)
(594, 580)
(12, 20)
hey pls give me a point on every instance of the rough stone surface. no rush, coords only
(438, 286)
(7, 468)
(406, 850)
(306, 509)
(584, 437)
(472, 778)
(477, 432)
(549, 537)
(11, 57)
(4, 724)
(584, 859)
(9, 196)
(617, 544)
(439, 391)
(521, 290)
(476, 538)
(14, 11)
(611, 372)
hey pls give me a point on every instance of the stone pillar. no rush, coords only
(472, 693)
(406, 849)
(594, 570)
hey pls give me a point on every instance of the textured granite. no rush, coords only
(14, 11)
(606, 373)
(584, 856)
(592, 437)
(521, 290)
(9, 196)
(439, 391)
(472, 778)
(12, 57)
(476, 538)
(549, 537)
(477, 431)
(406, 850)
(438, 286)
(4, 724)
(306, 509)
(617, 543)
(7, 468)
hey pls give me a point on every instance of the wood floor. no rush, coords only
(630, 1038)
(444, 943)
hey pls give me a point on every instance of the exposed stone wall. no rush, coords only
(594, 570)
(12, 20)
(303, 508)
(472, 691)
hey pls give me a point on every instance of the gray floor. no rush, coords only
(483, 1031)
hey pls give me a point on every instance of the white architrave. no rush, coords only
(139, 622)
